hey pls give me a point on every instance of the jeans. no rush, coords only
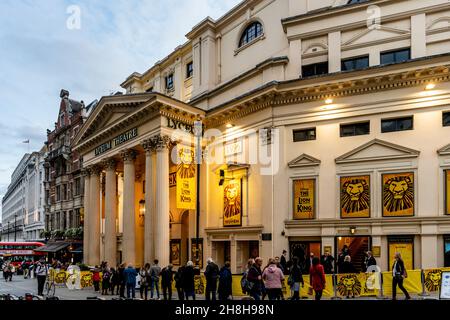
(167, 290)
(398, 281)
(154, 284)
(131, 290)
(41, 283)
(256, 295)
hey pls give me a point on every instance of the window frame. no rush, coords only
(189, 72)
(315, 65)
(444, 114)
(394, 52)
(396, 125)
(172, 86)
(245, 33)
(304, 130)
(354, 59)
(341, 125)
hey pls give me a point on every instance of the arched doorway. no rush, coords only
(184, 237)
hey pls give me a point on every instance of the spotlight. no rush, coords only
(329, 101)
(430, 86)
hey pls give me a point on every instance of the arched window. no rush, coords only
(253, 31)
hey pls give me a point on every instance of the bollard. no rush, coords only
(335, 297)
(422, 279)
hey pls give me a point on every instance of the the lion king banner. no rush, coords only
(447, 192)
(398, 194)
(355, 197)
(232, 206)
(186, 179)
(304, 198)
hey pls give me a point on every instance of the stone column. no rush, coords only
(162, 221)
(94, 217)
(86, 173)
(149, 251)
(110, 213)
(129, 219)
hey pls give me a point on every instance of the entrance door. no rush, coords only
(302, 250)
(356, 248)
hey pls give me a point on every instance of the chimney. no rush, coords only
(64, 94)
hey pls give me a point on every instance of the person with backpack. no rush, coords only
(144, 274)
(245, 284)
(166, 282)
(179, 283)
(295, 279)
(225, 282)
(106, 280)
(211, 275)
(155, 272)
(254, 277)
(398, 275)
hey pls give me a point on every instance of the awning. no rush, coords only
(53, 247)
(77, 248)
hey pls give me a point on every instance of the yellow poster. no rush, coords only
(304, 199)
(447, 192)
(412, 283)
(406, 249)
(355, 197)
(398, 194)
(186, 179)
(232, 207)
(432, 279)
(349, 285)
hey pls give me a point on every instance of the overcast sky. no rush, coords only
(40, 55)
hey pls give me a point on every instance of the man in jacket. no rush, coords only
(188, 277)
(130, 275)
(369, 261)
(41, 275)
(398, 275)
(155, 272)
(283, 262)
(225, 282)
(254, 276)
(211, 275)
(166, 281)
(327, 262)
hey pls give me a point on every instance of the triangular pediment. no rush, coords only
(377, 150)
(375, 34)
(304, 160)
(444, 150)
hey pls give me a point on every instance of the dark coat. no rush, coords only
(296, 273)
(188, 279)
(327, 263)
(400, 269)
(252, 276)
(283, 264)
(347, 267)
(225, 283)
(179, 278)
(166, 277)
(211, 275)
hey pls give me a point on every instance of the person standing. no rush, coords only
(369, 261)
(179, 283)
(225, 282)
(398, 275)
(188, 280)
(144, 273)
(122, 280)
(106, 280)
(155, 272)
(273, 278)
(115, 283)
(327, 262)
(347, 266)
(283, 262)
(41, 275)
(317, 278)
(211, 275)
(254, 276)
(296, 279)
(130, 275)
(166, 282)
(96, 278)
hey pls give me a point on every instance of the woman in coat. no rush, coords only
(188, 280)
(296, 279)
(225, 282)
(317, 278)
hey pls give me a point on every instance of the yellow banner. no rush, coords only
(304, 198)
(398, 194)
(232, 207)
(412, 284)
(186, 182)
(432, 279)
(348, 285)
(406, 249)
(355, 197)
(447, 191)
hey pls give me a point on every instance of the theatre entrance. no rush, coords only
(356, 248)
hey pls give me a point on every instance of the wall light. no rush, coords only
(141, 208)
(230, 125)
(329, 101)
(430, 86)
(352, 230)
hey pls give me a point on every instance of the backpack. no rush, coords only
(246, 285)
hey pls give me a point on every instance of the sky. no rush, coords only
(87, 47)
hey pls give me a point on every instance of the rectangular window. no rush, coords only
(189, 69)
(64, 196)
(446, 119)
(396, 56)
(169, 81)
(149, 89)
(315, 69)
(398, 124)
(355, 63)
(304, 134)
(58, 193)
(355, 129)
(77, 186)
(446, 251)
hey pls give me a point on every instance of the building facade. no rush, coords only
(63, 181)
(325, 123)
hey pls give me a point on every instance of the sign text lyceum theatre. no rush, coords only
(117, 141)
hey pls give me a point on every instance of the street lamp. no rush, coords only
(198, 133)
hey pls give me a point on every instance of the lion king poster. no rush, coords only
(355, 197)
(447, 192)
(398, 194)
(304, 198)
(232, 206)
(186, 179)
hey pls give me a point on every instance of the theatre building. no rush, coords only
(321, 124)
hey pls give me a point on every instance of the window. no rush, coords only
(446, 119)
(189, 69)
(446, 251)
(77, 186)
(58, 193)
(398, 124)
(355, 63)
(356, 1)
(64, 195)
(304, 134)
(149, 89)
(395, 56)
(252, 32)
(355, 129)
(315, 69)
(169, 81)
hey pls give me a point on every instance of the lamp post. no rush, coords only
(198, 128)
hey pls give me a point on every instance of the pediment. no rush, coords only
(375, 34)
(377, 150)
(444, 151)
(304, 160)
(442, 22)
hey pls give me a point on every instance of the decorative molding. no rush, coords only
(304, 160)
(434, 22)
(400, 153)
(110, 164)
(95, 169)
(149, 146)
(128, 155)
(161, 142)
(369, 30)
(444, 151)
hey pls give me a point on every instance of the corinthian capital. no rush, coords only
(95, 169)
(128, 155)
(109, 164)
(149, 145)
(162, 142)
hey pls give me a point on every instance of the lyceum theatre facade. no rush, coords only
(323, 124)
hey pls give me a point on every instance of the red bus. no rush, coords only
(16, 252)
